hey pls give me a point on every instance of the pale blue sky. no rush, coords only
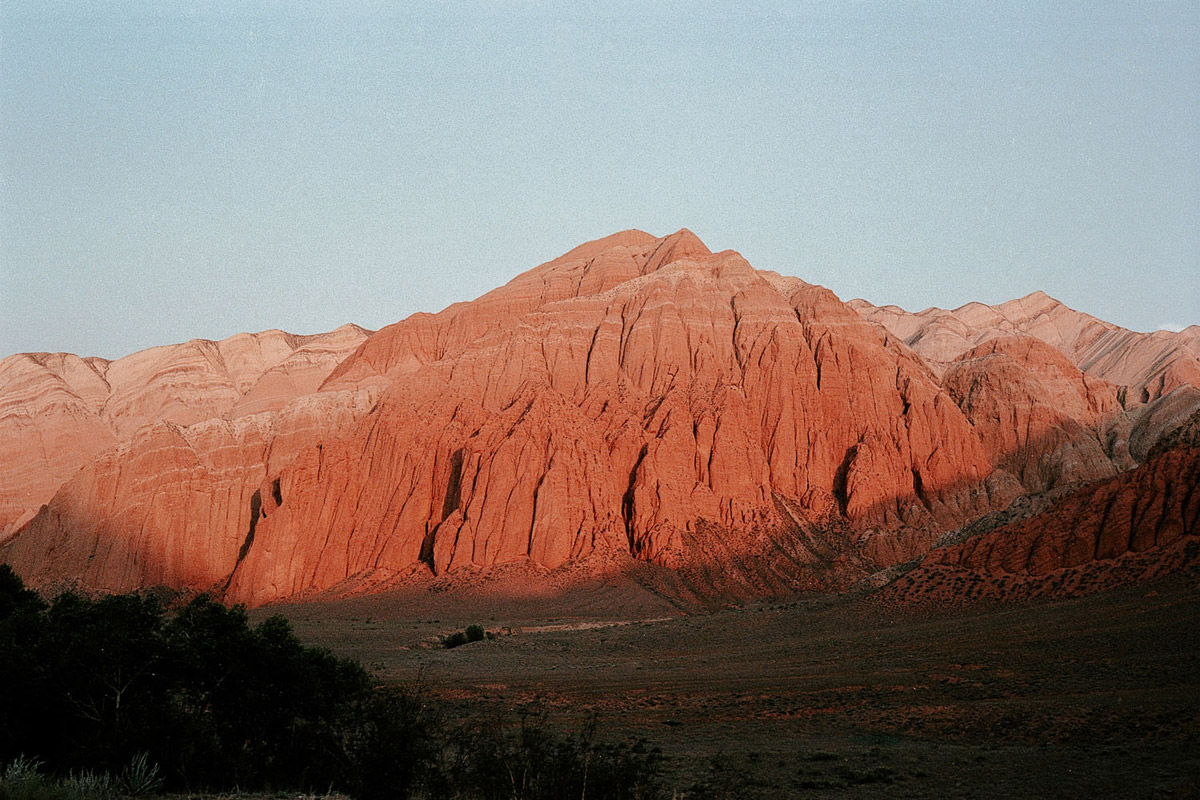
(180, 170)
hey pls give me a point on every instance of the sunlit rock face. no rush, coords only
(638, 397)
(1147, 365)
(634, 399)
(59, 411)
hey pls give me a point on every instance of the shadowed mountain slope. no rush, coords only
(1136, 525)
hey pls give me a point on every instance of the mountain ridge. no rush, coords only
(72, 408)
(1150, 364)
(635, 399)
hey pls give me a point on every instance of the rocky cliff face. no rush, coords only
(58, 411)
(639, 398)
(1040, 418)
(1150, 365)
(50, 426)
(636, 398)
(172, 505)
(1141, 523)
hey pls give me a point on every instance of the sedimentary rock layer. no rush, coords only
(1149, 364)
(1141, 523)
(634, 399)
(59, 411)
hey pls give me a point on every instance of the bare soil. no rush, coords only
(826, 697)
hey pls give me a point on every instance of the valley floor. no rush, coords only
(828, 697)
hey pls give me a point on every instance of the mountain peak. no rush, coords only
(1034, 301)
(683, 244)
(627, 238)
(1038, 296)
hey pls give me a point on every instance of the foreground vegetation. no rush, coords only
(120, 696)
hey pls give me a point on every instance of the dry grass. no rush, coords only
(832, 697)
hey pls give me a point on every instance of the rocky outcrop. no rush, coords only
(1158, 419)
(50, 426)
(634, 400)
(172, 505)
(200, 379)
(1141, 523)
(1149, 364)
(1041, 419)
(59, 411)
(647, 398)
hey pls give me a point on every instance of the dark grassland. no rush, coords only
(827, 697)
(433, 694)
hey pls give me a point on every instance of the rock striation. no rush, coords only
(641, 398)
(172, 505)
(1041, 418)
(1139, 524)
(638, 399)
(59, 411)
(51, 424)
(1148, 364)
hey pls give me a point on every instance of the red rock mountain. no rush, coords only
(1135, 525)
(635, 399)
(1149, 364)
(59, 411)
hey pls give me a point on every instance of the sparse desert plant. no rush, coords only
(473, 633)
(490, 760)
(141, 776)
(91, 785)
(728, 778)
(22, 779)
(22, 769)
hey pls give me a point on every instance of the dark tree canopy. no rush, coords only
(216, 703)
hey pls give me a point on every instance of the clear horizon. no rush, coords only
(194, 170)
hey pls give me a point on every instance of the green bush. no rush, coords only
(22, 779)
(141, 777)
(473, 633)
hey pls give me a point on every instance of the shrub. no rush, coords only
(22, 769)
(93, 785)
(728, 778)
(127, 699)
(22, 779)
(473, 633)
(392, 746)
(141, 777)
(493, 761)
(197, 698)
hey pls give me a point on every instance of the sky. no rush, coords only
(178, 170)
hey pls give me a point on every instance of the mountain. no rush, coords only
(59, 411)
(636, 401)
(1150, 365)
(1135, 525)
